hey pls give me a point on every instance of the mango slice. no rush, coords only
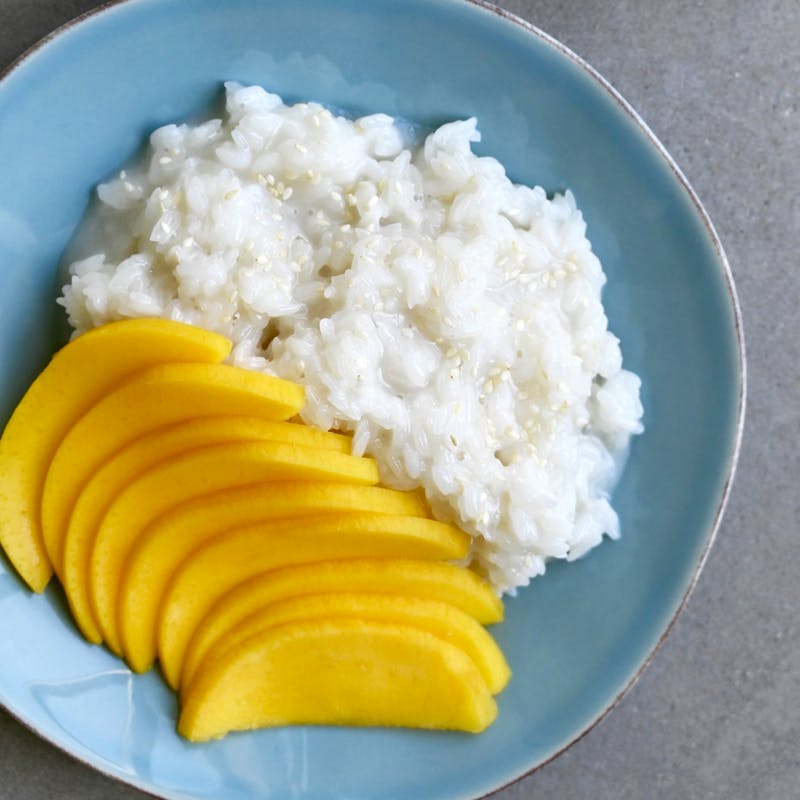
(342, 672)
(192, 474)
(152, 399)
(440, 619)
(232, 557)
(165, 544)
(434, 580)
(133, 460)
(75, 379)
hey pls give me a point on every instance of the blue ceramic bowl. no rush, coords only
(81, 104)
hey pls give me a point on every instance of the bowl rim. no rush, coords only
(722, 262)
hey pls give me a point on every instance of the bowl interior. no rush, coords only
(81, 106)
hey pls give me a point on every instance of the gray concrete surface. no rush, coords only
(717, 715)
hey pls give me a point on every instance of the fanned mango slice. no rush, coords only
(135, 459)
(232, 557)
(340, 672)
(440, 619)
(434, 580)
(152, 399)
(75, 379)
(193, 474)
(172, 537)
(187, 519)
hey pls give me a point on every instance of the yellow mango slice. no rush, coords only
(152, 399)
(135, 459)
(234, 556)
(192, 474)
(339, 672)
(434, 580)
(165, 544)
(75, 379)
(441, 619)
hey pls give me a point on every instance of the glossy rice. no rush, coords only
(448, 318)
